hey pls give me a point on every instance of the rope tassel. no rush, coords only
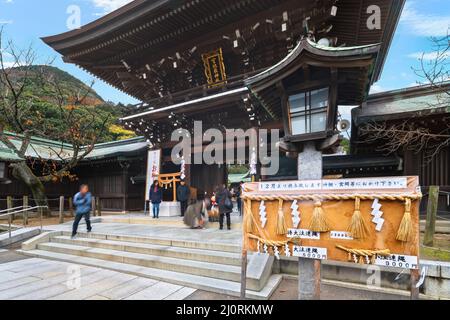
(281, 221)
(358, 228)
(405, 229)
(319, 222)
(248, 218)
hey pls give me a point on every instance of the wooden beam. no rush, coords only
(284, 107)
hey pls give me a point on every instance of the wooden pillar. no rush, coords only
(93, 206)
(174, 185)
(414, 278)
(125, 166)
(25, 214)
(433, 201)
(72, 213)
(98, 205)
(9, 205)
(244, 273)
(61, 210)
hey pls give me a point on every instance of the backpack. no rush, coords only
(228, 204)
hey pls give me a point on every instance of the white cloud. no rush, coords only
(5, 21)
(424, 25)
(429, 56)
(376, 88)
(11, 64)
(109, 5)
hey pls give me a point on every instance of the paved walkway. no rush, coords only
(39, 279)
(159, 231)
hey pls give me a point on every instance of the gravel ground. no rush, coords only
(288, 291)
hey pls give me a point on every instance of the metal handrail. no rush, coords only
(16, 208)
(27, 209)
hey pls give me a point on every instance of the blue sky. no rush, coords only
(25, 21)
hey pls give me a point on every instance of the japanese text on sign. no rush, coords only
(310, 252)
(341, 184)
(303, 234)
(398, 261)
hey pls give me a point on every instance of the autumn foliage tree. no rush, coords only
(74, 121)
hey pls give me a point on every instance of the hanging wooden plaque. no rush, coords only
(214, 68)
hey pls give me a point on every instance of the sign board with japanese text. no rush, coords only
(214, 68)
(365, 221)
(153, 170)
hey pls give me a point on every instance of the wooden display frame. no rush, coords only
(338, 206)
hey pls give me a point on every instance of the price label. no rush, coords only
(340, 235)
(310, 252)
(398, 261)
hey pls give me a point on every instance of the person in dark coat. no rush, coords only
(156, 198)
(238, 197)
(223, 195)
(183, 195)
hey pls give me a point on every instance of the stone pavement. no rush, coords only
(159, 231)
(39, 279)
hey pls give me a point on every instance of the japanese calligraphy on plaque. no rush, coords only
(214, 68)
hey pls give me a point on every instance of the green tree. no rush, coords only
(65, 114)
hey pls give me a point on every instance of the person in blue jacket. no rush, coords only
(83, 204)
(156, 198)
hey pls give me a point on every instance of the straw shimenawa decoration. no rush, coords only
(405, 229)
(248, 218)
(319, 222)
(358, 228)
(281, 221)
(364, 255)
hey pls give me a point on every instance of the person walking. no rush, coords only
(238, 197)
(83, 205)
(156, 198)
(183, 195)
(223, 199)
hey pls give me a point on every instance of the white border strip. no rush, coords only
(176, 106)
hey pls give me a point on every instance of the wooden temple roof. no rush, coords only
(408, 103)
(153, 49)
(41, 148)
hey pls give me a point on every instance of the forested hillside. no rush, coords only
(42, 98)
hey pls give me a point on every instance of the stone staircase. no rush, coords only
(208, 266)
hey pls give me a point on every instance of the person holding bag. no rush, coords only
(223, 199)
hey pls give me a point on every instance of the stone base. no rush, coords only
(168, 209)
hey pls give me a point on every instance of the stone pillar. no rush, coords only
(309, 168)
(310, 163)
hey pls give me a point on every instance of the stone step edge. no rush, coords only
(171, 223)
(170, 242)
(116, 253)
(88, 242)
(192, 281)
(231, 273)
